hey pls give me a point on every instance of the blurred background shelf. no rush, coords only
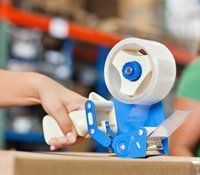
(76, 31)
(69, 41)
(30, 137)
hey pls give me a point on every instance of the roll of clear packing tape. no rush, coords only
(157, 75)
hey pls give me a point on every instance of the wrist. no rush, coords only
(36, 82)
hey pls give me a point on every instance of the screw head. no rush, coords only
(140, 132)
(122, 147)
(129, 70)
(92, 131)
(88, 106)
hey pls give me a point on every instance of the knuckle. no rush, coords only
(68, 125)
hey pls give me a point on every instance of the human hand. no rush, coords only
(58, 102)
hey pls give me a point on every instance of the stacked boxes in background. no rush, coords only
(76, 64)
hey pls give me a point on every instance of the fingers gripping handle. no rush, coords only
(52, 130)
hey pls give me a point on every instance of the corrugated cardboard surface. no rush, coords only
(22, 163)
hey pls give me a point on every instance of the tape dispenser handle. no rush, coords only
(51, 129)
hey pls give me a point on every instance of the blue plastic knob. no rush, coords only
(132, 70)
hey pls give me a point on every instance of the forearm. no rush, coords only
(185, 139)
(19, 88)
(176, 150)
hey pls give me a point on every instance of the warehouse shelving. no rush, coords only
(10, 14)
(30, 137)
(37, 21)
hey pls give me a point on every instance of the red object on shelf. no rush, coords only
(42, 22)
(75, 31)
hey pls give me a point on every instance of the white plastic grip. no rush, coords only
(104, 109)
(157, 84)
(52, 130)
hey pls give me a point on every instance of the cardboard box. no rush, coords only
(144, 17)
(24, 163)
(58, 6)
(103, 8)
